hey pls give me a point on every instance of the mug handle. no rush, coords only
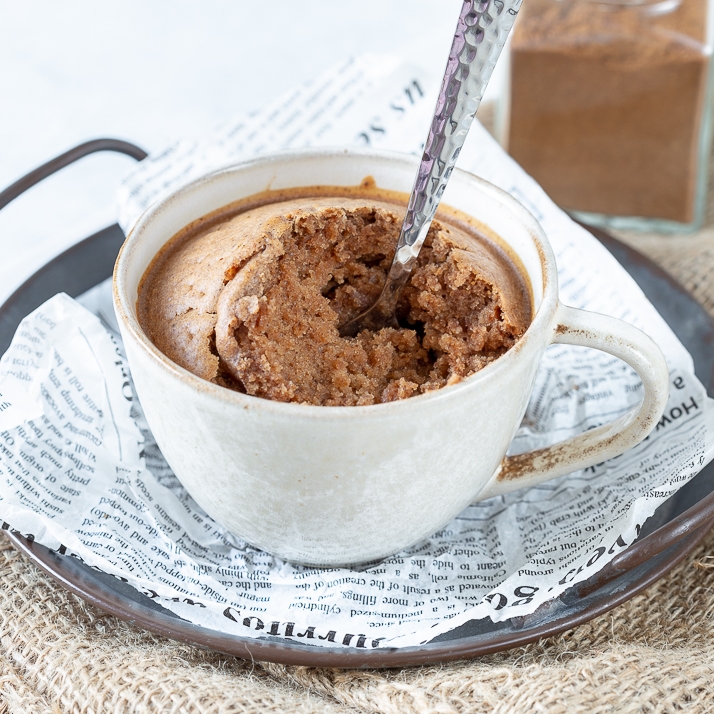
(618, 338)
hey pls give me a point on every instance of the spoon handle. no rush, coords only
(479, 38)
(480, 35)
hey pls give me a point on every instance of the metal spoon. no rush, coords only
(480, 35)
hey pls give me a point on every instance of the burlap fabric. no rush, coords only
(652, 654)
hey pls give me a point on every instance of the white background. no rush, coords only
(151, 71)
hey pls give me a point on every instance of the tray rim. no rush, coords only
(349, 658)
(684, 539)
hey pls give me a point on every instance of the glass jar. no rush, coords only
(609, 108)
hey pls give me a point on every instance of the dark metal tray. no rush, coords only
(666, 538)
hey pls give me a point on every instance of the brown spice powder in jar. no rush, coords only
(607, 104)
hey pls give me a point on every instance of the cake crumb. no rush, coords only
(255, 303)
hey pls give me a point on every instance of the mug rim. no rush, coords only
(127, 317)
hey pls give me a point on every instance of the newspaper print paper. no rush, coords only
(80, 473)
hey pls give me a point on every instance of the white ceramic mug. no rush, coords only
(341, 485)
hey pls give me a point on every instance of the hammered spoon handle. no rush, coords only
(481, 32)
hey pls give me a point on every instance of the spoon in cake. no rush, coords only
(481, 32)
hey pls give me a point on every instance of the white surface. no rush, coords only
(151, 72)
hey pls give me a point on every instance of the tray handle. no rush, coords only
(69, 157)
